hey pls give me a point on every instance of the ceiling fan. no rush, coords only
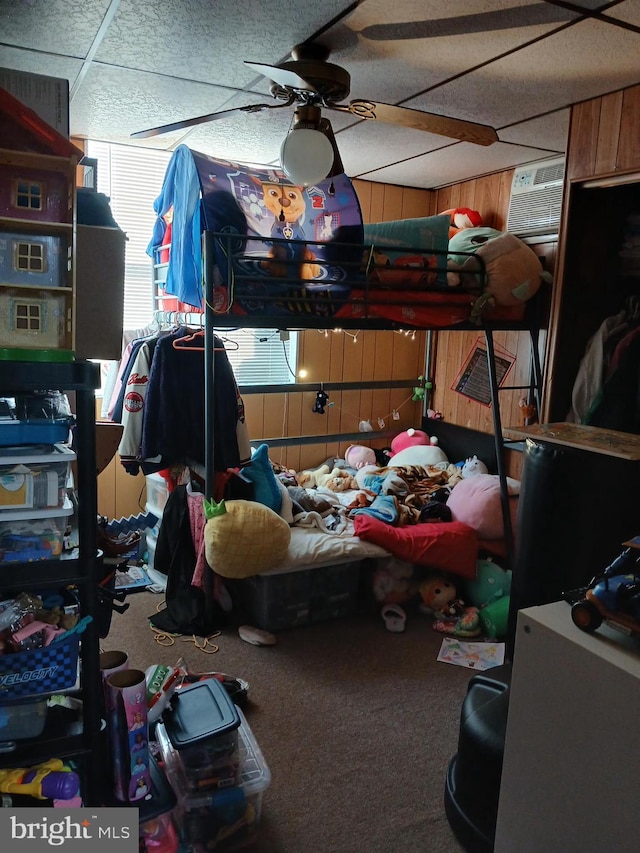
(311, 83)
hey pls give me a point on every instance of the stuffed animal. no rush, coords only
(438, 595)
(472, 466)
(490, 583)
(322, 398)
(337, 480)
(309, 479)
(414, 447)
(462, 217)
(409, 438)
(513, 270)
(357, 455)
(392, 582)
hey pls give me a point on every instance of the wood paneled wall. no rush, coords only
(603, 136)
(490, 196)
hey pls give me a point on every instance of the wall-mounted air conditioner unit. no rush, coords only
(536, 198)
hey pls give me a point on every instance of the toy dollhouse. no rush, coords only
(37, 236)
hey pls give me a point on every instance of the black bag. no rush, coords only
(186, 611)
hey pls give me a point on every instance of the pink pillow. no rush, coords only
(447, 545)
(476, 501)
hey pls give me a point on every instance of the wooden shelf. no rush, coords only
(622, 445)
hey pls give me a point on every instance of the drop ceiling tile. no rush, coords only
(65, 27)
(99, 109)
(550, 131)
(443, 40)
(245, 137)
(201, 40)
(370, 145)
(629, 12)
(458, 162)
(567, 67)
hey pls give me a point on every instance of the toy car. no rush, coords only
(613, 596)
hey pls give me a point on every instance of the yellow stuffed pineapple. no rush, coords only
(244, 538)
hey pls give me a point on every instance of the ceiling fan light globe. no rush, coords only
(306, 156)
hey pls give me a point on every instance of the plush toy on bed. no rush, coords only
(243, 538)
(415, 447)
(462, 217)
(337, 480)
(357, 455)
(513, 270)
(472, 466)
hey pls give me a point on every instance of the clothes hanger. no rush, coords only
(199, 333)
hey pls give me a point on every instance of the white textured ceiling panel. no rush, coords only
(584, 60)
(99, 111)
(549, 132)
(208, 41)
(447, 165)
(67, 28)
(516, 65)
(629, 12)
(387, 58)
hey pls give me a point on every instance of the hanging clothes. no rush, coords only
(173, 410)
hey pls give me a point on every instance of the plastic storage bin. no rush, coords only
(21, 720)
(157, 493)
(226, 819)
(29, 535)
(35, 477)
(199, 732)
(280, 600)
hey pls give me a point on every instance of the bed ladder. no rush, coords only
(534, 390)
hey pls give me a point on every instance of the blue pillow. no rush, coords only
(265, 487)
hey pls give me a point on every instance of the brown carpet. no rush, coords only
(357, 725)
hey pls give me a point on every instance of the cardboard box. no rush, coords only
(47, 96)
(99, 292)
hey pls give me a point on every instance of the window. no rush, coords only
(28, 317)
(29, 257)
(132, 178)
(28, 195)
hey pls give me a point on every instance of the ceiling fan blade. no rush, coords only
(191, 122)
(465, 131)
(282, 76)
(479, 22)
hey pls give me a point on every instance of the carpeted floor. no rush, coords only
(357, 725)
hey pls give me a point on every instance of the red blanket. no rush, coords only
(447, 546)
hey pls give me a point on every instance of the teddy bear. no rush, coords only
(309, 479)
(337, 480)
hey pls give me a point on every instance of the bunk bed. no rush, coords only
(229, 243)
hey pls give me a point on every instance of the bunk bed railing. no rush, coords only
(295, 277)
